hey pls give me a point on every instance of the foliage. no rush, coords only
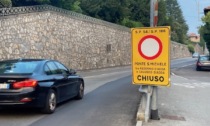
(73, 5)
(110, 10)
(140, 11)
(191, 48)
(76, 7)
(205, 30)
(130, 13)
(162, 18)
(202, 42)
(5, 3)
(131, 24)
(29, 2)
(176, 20)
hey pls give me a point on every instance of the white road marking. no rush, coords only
(187, 65)
(181, 77)
(193, 85)
(172, 63)
(190, 83)
(172, 73)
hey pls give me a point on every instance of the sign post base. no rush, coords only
(154, 115)
(154, 108)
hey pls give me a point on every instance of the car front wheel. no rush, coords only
(50, 104)
(80, 91)
(198, 68)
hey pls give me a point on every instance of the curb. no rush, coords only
(139, 123)
(140, 113)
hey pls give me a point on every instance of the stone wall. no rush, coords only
(199, 49)
(78, 41)
(179, 50)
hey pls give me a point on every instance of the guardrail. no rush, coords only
(42, 8)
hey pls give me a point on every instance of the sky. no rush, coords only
(193, 12)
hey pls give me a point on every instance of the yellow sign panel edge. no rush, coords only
(169, 61)
(168, 84)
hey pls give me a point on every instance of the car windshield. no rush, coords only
(204, 58)
(195, 54)
(17, 67)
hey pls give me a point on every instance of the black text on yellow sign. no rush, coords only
(151, 56)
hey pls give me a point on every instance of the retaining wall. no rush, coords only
(79, 41)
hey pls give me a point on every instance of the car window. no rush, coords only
(18, 67)
(62, 68)
(204, 58)
(53, 69)
(47, 70)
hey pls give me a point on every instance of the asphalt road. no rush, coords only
(111, 100)
(186, 102)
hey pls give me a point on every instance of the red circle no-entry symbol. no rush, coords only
(150, 47)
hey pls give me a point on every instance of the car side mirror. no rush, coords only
(72, 71)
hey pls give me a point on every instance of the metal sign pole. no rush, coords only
(151, 13)
(146, 90)
(144, 58)
(154, 109)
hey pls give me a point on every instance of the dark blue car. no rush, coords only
(38, 83)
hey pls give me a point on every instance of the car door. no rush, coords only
(60, 82)
(72, 86)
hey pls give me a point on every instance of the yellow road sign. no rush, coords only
(151, 56)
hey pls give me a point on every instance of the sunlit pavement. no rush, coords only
(185, 103)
